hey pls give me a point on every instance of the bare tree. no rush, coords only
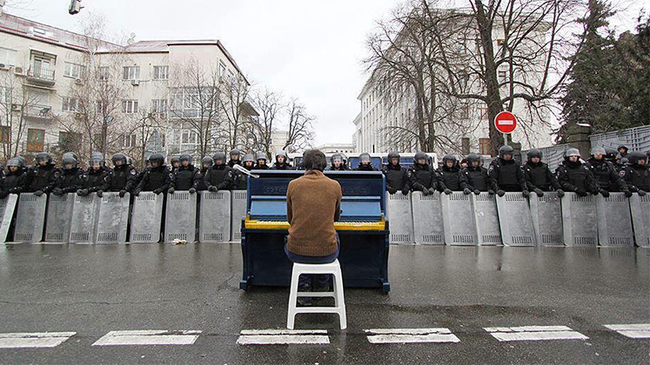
(235, 108)
(270, 106)
(299, 126)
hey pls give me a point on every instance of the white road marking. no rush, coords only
(283, 337)
(33, 340)
(411, 335)
(535, 333)
(148, 337)
(636, 331)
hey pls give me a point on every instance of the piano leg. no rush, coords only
(243, 283)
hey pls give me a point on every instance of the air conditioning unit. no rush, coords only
(3, 66)
(135, 82)
(19, 71)
(78, 81)
(15, 107)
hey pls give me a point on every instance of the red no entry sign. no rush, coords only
(505, 122)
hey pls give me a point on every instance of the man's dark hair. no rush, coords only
(314, 160)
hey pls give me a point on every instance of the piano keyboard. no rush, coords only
(339, 226)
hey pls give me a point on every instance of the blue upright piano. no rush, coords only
(363, 229)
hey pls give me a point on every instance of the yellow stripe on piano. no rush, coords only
(340, 226)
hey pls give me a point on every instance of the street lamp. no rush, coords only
(74, 8)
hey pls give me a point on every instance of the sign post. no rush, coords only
(506, 123)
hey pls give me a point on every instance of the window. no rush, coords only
(5, 134)
(464, 142)
(484, 146)
(161, 72)
(483, 111)
(74, 70)
(129, 106)
(222, 69)
(69, 140)
(7, 56)
(189, 137)
(129, 141)
(159, 105)
(464, 112)
(35, 140)
(70, 105)
(104, 73)
(5, 95)
(131, 73)
(503, 76)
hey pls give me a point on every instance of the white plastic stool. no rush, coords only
(334, 269)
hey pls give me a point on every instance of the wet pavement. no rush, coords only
(93, 290)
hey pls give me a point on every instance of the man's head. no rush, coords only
(15, 164)
(598, 153)
(234, 155)
(622, 149)
(118, 159)
(186, 160)
(219, 158)
(393, 158)
(572, 154)
(96, 161)
(473, 159)
(364, 159)
(421, 158)
(281, 157)
(314, 160)
(176, 161)
(43, 159)
(156, 160)
(637, 158)
(506, 153)
(207, 162)
(261, 158)
(249, 160)
(337, 160)
(535, 156)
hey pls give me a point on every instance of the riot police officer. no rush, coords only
(281, 162)
(96, 179)
(220, 176)
(365, 163)
(421, 176)
(605, 174)
(241, 180)
(539, 177)
(337, 163)
(123, 178)
(70, 178)
(199, 183)
(261, 161)
(235, 158)
(637, 174)
(175, 161)
(474, 178)
(156, 178)
(43, 176)
(13, 180)
(622, 150)
(396, 175)
(449, 175)
(506, 174)
(184, 176)
(574, 176)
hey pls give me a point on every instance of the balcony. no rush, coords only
(41, 76)
(43, 112)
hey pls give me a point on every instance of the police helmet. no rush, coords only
(69, 160)
(249, 158)
(610, 154)
(261, 156)
(157, 157)
(598, 151)
(534, 153)
(43, 156)
(22, 159)
(506, 150)
(15, 161)
(96, 157)
(449, 157)
(344, 157)
(421, 155)
(336, 156)
(635, 157)
(175, 159)
(393, 154)
(219, 156)
(571, 152)
(235, 152)
(473, 157)
(621, 146)
(70, 154)
(119, 157)
(186, 157)
(207, 160)
(281, 153)
(364, 158)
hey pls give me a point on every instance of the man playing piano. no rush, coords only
(313, 205)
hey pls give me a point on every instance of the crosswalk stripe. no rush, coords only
(636, 331)
(534, 333)
(411, 335)
(283, 337)
(148, 337)
(33, 340)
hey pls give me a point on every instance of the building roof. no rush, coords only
(64, 38)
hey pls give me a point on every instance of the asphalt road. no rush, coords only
(93, 289)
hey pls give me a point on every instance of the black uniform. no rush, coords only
(506, 175)
(539, 176)
(219, 177)
(422, 178)
(94, 180)
(281, 166)
(122, 177)
(69, 181)
(474, 178)
(156, 179)
(576, 177)
(606, 175)
(184, 178)
(12, 182)
(396, 178)
(637, 178)
(449, 178)
(42, 178)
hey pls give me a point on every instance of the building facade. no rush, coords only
(62, 91)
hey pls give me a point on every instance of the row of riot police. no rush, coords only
(598, 175)
(215, 173)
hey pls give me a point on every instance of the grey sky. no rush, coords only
(304, 48)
